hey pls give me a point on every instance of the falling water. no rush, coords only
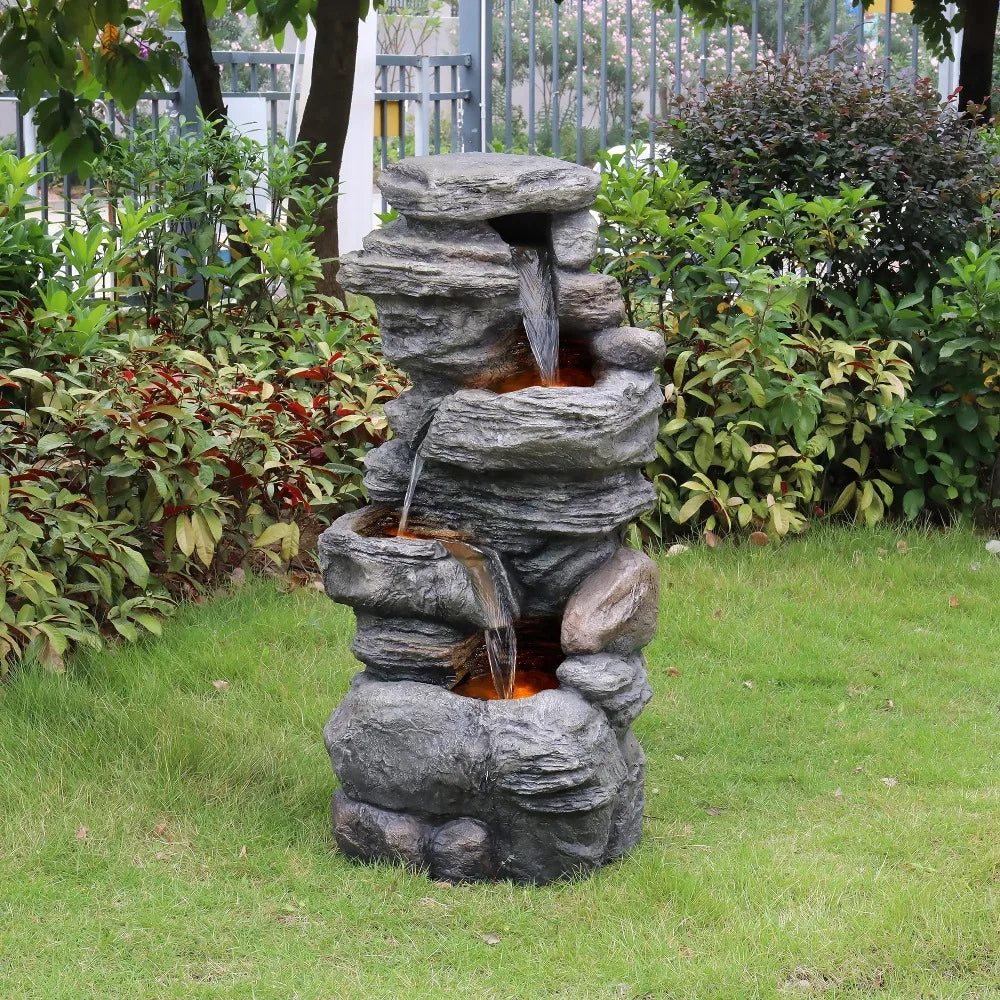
(492, 589)
(538, 307)
(411, 488)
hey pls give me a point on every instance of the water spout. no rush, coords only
(492, 589)
(536, 280)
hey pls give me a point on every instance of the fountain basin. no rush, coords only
(545, 781)
(396, 577)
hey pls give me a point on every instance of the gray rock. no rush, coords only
(574, 239)
(612, 424)
(626, 824)
(474, 186)
(588, 302)
(449, 339)
(513, 513)
(395, 577)
(413, 649)
(473, 241)
(425, 277)
(366, 832)
(617, 685)
(410, 412)
(461, 851)
(543, 774)
(615, 608)
(629, 347)
(552, 571)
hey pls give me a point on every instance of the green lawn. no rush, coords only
(823, 807)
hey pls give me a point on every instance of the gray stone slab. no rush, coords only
(514, 512)
(425, 276)
(363, 831)
(413, 648)
(588, 302)
(551, 572)
(474, 186)
(396, 577)
(617, 685)
(612, 424)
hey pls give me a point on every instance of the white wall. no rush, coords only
(357, 174)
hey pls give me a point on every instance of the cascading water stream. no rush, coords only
(411, 489)
(492, 589)
(538, 307)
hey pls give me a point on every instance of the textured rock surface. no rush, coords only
(413, 648)
(588, 302)
(551, 572)
(461, 851)
(365, 832)
(425, 277)
(473, 241)
(574, 239)
(615, 608)
(611, 425)
(550, 785)
(629, 347)
(454, 339)
(515, 512)
(626, 824)
(410, 412)
(396, 577)
(472, 186)
(544, 774)
(617, 685)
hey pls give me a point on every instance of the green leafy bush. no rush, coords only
(783, 398)
(156, 436)
(789, 397)
(811, 130)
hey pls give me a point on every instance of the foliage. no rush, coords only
(810, 130)
(153, 441)
(784, 398)
(211, 245)
(60, 56)
(957, 380)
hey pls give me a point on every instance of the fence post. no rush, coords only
(470, 41)
(186, 100)
(422, 113)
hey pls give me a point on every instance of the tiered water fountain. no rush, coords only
(499, 614)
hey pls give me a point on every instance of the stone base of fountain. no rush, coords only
(542, 476)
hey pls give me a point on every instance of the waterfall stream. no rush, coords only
(492, 589)
(536, 283)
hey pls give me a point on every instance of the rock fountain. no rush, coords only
(500, 620)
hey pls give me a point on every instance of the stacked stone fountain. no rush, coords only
(545, 478)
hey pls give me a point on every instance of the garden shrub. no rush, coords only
(810, 129)
(151, 440)
(779, 404)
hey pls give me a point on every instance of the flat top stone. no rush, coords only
(466, 187)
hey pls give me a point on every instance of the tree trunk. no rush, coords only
(202, 62)
(325, 117)
(975, 70)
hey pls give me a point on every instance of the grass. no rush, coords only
(823, 806)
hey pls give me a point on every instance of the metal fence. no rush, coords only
(573, 77)
(262, 78)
